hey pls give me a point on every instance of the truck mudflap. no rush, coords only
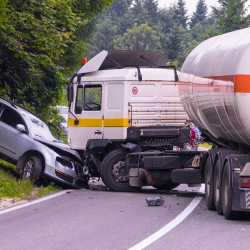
(244, 200)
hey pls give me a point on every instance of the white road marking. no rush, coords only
(33, 202)
(176, 221)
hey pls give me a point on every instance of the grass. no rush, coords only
(205, 145)
(17, 188)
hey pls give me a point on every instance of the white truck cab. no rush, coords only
(121, 102)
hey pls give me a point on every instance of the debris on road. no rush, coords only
(155, 201)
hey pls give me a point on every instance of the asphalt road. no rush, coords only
(94, 219)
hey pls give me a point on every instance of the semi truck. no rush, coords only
(214, 88)
(127, 122)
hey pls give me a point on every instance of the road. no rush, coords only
(95, 219)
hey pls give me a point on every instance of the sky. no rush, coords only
(191, 4)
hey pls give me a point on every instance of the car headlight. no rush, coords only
(63, 162)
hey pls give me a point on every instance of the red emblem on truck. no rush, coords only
(134, 90)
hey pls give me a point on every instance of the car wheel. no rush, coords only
(32, 168)
(114, 171)
(167, 186)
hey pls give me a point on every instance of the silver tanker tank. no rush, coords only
(214, 86)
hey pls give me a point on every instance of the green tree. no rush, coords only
(197, 32)
(200, 15)
(103, 38)
(34, 36)
(176, 44)
(166, 19)
(145, 11)
(139, 38)
(180, 13)
(3, 11)
(230, 15)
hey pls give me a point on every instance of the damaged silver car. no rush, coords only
(27, 142)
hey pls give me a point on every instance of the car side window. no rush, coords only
(11, 117)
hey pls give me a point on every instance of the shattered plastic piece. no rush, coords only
(155, 201)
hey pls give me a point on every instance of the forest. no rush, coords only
(142, 25)
(42, 42)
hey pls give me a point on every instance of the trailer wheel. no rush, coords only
(227, 195)
(217, 189)
(114, 171)
(167, 186)
(32, 168)
(209, 187)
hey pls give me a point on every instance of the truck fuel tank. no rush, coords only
(214, 86)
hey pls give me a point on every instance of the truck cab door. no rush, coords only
(89, 111)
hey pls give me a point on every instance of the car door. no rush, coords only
(89, 111)
(11, 139)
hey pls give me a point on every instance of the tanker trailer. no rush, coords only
(214, 87)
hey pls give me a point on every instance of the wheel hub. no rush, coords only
(120, 171)
(28, 169)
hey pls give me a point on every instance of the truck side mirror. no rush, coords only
(70, 93)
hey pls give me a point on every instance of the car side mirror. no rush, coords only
(21, 128)
(70, 93)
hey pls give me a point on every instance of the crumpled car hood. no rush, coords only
(58, 146)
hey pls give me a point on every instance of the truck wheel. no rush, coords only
(227, 195)
(114, 171)
(217, 189)
(32, 168)
(209, 187)
(167, 186)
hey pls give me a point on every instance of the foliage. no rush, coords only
(47, 190)
(138, 38)
(230, 15)
(34, 37)
(180, 14)
(18, 188)
(104, 37)
(175, 44)
(12, 188)
(200, 15)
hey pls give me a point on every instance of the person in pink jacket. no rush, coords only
(192, 138)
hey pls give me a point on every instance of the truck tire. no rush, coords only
(209, 186)
(227, 195)
(186, 176)
(217, 189)
(114, 171)
(167, 186)
(32, 169)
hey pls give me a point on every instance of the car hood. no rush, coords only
(58, 146)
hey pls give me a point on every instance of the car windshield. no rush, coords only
(38, 127)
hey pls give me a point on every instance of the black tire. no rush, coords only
(209, 186)
(217, 189)
(227, 193)
(167, 186)
(114, 172)
(32, 169)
